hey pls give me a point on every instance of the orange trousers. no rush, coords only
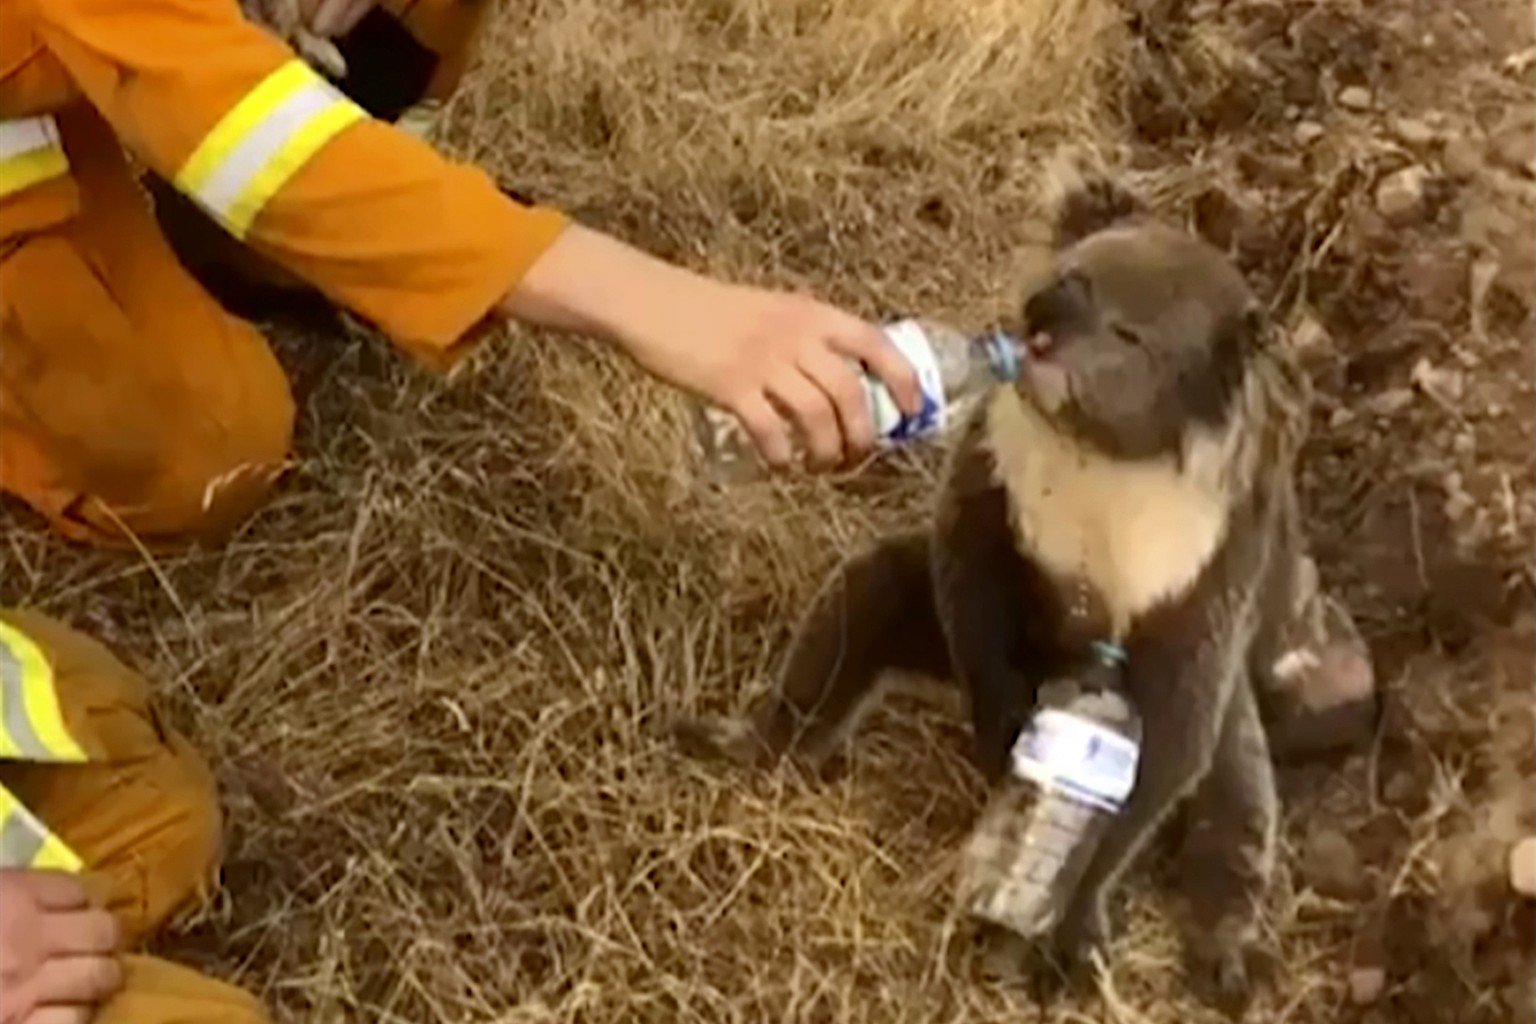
(133, 407)
(144, 817)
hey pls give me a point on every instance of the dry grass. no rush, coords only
(431, 675)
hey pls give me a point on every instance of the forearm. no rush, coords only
(592, 283)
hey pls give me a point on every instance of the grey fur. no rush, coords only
(990, 596)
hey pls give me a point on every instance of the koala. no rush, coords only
(1134, 485)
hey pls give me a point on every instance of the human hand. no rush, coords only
(332, 18)
(775, 360)
(291, 22)
(57, 960)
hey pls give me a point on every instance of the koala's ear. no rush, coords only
(1090, 204)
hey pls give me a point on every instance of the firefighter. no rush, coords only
(135, 409)
(109, 829)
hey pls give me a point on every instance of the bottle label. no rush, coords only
(890, 422)
(1067, 753)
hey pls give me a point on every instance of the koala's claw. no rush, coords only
(1226, 976)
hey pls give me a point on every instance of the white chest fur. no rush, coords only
(1138, 532)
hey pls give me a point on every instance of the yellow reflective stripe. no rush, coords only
(238, 122)
(31, 722)
(262, 141)
(30, 152)
(26, 843)
(55, 856)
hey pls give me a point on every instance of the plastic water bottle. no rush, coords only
(952, 369)
(1073, 767)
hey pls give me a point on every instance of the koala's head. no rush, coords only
(1138, 335)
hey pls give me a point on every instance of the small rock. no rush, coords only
(1459, 505)
(1412, 132)
(1465, 443)
(1400, 196)
(1355, 97)
(1342, 417)
(1463, 158)
(1514, 151)
(1311, 339)
(1522, 867)
(1389, 402)
(1445, 386)
(1308, 132)
(1399, 788)
(1331, 866)
(1470, 536)
(1366, 984)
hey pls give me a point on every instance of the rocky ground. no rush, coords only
(1380, 171)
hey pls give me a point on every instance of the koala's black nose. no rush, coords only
(1065, 306)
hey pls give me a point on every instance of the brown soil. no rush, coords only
(431, 675)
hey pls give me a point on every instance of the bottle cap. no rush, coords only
(1003, 353)
(1109, 653)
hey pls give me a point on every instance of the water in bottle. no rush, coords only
(1073, 767)
(953, 369)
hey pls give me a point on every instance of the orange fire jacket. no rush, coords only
(373, 218)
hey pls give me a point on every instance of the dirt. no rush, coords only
(431, 675)
(1397, 180)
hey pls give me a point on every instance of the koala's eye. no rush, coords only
(1126, 334)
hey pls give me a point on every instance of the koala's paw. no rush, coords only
(1227, 975)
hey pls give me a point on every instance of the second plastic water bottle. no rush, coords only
(1073, 767)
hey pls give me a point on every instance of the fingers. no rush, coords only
(767, 429)
(843, 386)
(79, 932)
(869, 345)
(60, 1015)
(70, 980)
(813, 413)
(327, 14)
(56, 890)
(354, 14)
(309, 11)
(333, 18)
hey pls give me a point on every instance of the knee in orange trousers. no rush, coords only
(132, 407)
(143, 815)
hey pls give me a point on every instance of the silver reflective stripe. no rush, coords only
(20, 840)
(13, 709)
(266, 140)
(27, 135)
